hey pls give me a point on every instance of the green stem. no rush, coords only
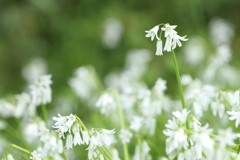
(44, 114)
(178, 79)
(140, 147)
(101, 149)
(64, 155)
(121, 115)
(225, 98)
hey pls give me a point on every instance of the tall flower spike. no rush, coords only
(153, 32)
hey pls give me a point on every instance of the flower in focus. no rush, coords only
(153, 32)
(159, 48)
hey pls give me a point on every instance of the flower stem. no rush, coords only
(64, 155)
(178, 79)
(44, 114)
(101, 149)
(225, 99)
(121, 115)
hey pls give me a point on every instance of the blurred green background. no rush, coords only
(67, 34)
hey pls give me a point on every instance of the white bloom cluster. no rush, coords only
(172, 38)
(106, 103)
(84, 83)
(40, 91)
(142, 152)
(186, 138)
(36, 156)
(125, 136)
(235, 112)
(112, 33)
(66, 125)
(200, 96)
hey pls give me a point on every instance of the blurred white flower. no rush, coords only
(36, 156)
(69, 141)
(40, 91)
(142, 152)
(153, 32)
(112, 33)
(160, 86)
(34, 69)
(186, 79)
(125, 136)
(221, 31)
(226, 137)
(84, 83)
(10, 157)
(194, 51)
(136, 123)
(234, 116)
(106, 103)
(6, 109)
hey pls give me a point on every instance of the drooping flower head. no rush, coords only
(172, 38)
(153, 32)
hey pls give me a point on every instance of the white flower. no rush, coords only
(186, 79)
(44, 134)
(160, 86)
(85, 137)
(169, 30)
(176, 41)
(181, 116)
(112, 33)
(125, 136)
(77, 138)
(64, 124)
(36, 156)
(234, 116)
(106, 136)
(168, 44)
(153, 32)
(10, 157)
(69, 141)
(159, 48)
(41, 91)
(106, 103)
(136, 123)
(226, 137)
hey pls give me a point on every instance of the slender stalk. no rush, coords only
(44, 114)
(64, 155)
(225, 99)
(101, 149)
(178, 79)
(140, 147)
(121, 115)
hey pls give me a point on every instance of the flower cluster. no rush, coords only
(70, 126)
(40, 91)
(172, 38)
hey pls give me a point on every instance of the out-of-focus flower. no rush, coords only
(125, 136)
(136, 123)
(106, 103)
(112, 33)
(41, 91)
(34, 69)
(36, 156)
